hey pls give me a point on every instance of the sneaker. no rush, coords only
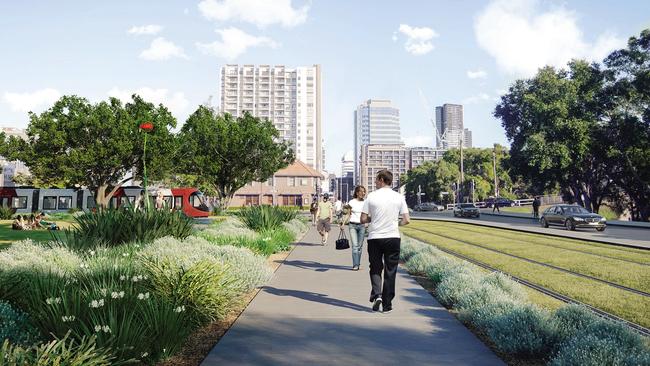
(376, 304)
(387, 309)
(355, 268)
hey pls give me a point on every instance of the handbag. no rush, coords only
(342, 242)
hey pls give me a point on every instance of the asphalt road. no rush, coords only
(629, 236)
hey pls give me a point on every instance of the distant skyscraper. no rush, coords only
(468, 138)
(347, 164)
(449, 122)
(375, 122)
(290, 98)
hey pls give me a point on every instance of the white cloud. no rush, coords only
(478, 74)
(35, 101)
(175, 102)
(418, 41)
(478, 98)
(260, 13)
(162, 49)
(150, 29)
(522, 37)
(234, 42)
(419, 140)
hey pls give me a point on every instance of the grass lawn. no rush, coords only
(604, 211)
(633, 307)
(7, 235)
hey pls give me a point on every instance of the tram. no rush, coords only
(28, 199)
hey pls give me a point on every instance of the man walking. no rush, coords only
(381, 210)
(536, 204)
(338, 209)
(324, 214)
(496, 205)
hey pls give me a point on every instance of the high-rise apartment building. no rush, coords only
(375, 122)
(467, 138)
(290, 98)
(347, 164)
(449, 122)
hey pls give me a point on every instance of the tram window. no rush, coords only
(90, 202)
(178, 201)
(19, 202)
(124, 201)
(65, 202)
(168, 201)
(114, 202)
(49, 203)
(5, 201)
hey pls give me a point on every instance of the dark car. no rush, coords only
(500, 202)
(572, 217)
(466, 210)
(428, 206)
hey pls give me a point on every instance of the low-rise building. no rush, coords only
(292, 186)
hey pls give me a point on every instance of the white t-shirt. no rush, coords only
(384, 207)
(356, 207)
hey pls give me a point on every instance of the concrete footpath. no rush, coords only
(315, 311)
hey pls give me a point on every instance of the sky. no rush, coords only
(419, 54)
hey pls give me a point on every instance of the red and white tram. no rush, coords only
(27, 200)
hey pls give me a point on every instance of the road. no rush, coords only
(629, 236)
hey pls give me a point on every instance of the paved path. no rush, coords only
(626, 236)
(315, 311)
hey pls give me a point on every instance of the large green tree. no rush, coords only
(226, 153)
(627, 134)
(554, 124)
(98, 146)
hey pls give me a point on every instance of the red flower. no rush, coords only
(146, 126)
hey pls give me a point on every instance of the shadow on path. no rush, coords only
(316, 297)
(316, 266)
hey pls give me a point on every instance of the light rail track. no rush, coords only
(556, 295)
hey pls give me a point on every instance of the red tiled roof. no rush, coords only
(298, 169)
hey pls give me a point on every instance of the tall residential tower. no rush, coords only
(449, 122)
(290, 98)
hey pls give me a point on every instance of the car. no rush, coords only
(428, 206)
(466, 210)
(572, 217)
(500, 202)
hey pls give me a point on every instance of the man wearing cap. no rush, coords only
(324, 215)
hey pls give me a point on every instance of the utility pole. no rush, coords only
(494, 171)
(462, 170)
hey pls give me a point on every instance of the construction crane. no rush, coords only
(441, 137)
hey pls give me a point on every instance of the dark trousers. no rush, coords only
(384, 255)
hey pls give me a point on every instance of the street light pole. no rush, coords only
(494, 171)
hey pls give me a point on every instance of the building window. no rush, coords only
(291, 181)
(49, 203)
(178, 201)
(19, 202)
(304, 182)
(289, 200)
(65, 202)
(90, 202)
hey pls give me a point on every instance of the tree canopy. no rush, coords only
(99, 146)
(226, 153)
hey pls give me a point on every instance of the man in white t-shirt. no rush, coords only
(381, 210)
(338, 209)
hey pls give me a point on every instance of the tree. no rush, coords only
(554, 124)
(627, 132)
(76, 143)
(225, 153)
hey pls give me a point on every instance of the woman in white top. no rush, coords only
(357, 229)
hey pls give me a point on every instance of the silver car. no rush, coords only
(428, 206)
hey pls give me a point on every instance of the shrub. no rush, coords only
(482, 316)
(28, 255)
(298, 227)
(65, 351)
(116, 227)
(264, 243)
(505, 284)
(250, 270)
(6, 213)
(603, 342)
(260, 218)
(572, 319)
(524, 331)
(456, 285)
(230, 227)
(15, 326)
(420, 263)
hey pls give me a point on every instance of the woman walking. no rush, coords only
(357, 229)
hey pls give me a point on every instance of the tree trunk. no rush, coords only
(100, 197)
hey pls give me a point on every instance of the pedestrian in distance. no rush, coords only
(338, 209)
(356, 228)
(324, 214)
(299, 202)
(496, 205)
(382, 210)
(536, 203)
(313, 209)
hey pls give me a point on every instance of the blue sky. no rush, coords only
(464, 52)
